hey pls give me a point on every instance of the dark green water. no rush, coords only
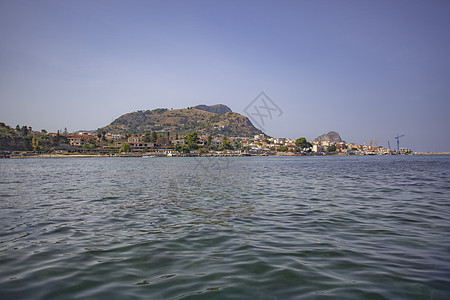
(225, 228)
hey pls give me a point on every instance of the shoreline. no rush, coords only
(154, 155)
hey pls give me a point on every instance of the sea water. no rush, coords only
(372, 227)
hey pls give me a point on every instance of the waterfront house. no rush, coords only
(113, 136)
(79, 140)
(135, 139)
(136, 146)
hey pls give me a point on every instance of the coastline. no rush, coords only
(432, 153)
(150, 155)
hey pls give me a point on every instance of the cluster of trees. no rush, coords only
(331, 148)
(154, 135)
(23, 130)
(101, 134)
(44, 142)
(192, 140)
(125, 148)
(302, 143)
(21, 138)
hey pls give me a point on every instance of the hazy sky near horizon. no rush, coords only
(366, 69)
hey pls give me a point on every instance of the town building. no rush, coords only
(113, 136)
(317, 149)
(136, 146)
(79, 140)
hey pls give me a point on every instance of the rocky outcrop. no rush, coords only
(217, 109)
(331, 136)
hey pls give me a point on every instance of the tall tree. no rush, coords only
(125, 148)
(147, 137)
(302, 143)
(24, 130)
(154, 136)
(209, 141)
(36, 144)
(192, 140)
(227, 145)
(192, 137)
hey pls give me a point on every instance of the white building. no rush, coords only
(259, 137)
(179, 141)
(317, 148)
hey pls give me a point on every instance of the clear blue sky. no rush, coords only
(366, 69)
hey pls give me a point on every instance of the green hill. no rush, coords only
(203, 119)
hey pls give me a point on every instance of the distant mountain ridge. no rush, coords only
(212, 120)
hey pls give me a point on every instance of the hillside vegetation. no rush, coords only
(23, 139)
(184, 121)
(14, 139)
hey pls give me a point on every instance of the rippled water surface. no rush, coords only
(225, 228)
